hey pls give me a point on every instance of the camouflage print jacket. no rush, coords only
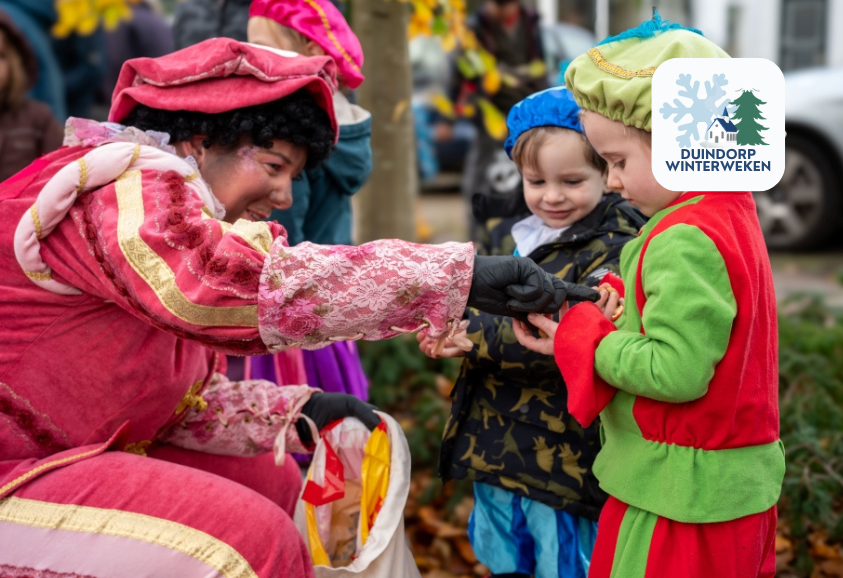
(509, 425)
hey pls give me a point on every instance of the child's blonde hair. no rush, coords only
(525, 153)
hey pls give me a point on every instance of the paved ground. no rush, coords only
(445, 218)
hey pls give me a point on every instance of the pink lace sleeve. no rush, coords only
(311, 295)
(242, 418)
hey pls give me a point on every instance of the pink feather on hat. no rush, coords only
(219, 75)
(322, 22)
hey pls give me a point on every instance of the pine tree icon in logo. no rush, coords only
(749, 131)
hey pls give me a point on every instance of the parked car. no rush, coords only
(806, 208)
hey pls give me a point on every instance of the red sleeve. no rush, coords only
(613, 280)
(577, 337)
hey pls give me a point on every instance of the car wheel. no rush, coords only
(801, 211)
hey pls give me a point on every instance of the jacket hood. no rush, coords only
(18, 40)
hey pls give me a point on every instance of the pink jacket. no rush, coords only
(118, 313)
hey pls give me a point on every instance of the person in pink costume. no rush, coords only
(131, 266)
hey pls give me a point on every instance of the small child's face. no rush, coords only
(630, 163)
(563, 187)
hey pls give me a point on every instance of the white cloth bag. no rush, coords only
(385, 554)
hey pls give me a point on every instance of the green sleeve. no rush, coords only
(688, 319)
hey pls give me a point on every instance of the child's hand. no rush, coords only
(543, 324)
(428, 346)
(611, 303)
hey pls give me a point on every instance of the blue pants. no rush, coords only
(512, 534)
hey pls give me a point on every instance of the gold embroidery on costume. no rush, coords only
(255, 233)
(156, 272)
(193, 399)
(139, 448)
(191, 177)
(38, 276)
(178, 537)
(35, 471)
(330, 33)
(33, 212)
(135, 154)
(83, 175)
(619, 71)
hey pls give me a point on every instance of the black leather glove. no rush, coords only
(323, 408)
(515, 286)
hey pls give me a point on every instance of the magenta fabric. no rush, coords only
(279, 484)
(219, 75)
(322, 22)
(255, 527)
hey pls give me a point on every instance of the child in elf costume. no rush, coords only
(686, 380)
(321, 200)
(536, 498)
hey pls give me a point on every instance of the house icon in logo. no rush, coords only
(721, 132)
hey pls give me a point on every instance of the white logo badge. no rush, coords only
(718, 124)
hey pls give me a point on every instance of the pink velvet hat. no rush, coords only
(219, 75)
(320, 21)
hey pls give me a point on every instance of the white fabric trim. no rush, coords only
(532, 232)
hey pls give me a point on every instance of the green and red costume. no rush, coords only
(686, 386)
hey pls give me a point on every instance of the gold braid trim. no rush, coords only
(34, 472)
(330, 33)
(83, 175)
(139, 449)
(192, 177)
(613, 69)
(135, 154)
(193, 399)
(33, 212)
(222, 557)
(155, 271)
(38, 276)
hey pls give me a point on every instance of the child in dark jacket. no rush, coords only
(536, 499)
(27, 127)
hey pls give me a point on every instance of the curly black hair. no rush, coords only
(295, 118)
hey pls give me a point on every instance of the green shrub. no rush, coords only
(811, 408)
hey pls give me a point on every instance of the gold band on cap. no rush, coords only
(613, 69)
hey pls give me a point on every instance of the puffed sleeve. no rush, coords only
(150, 240)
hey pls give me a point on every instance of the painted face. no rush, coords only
(251, 181)
(630, 163)
(563, 187)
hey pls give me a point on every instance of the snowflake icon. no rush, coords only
(701, 110)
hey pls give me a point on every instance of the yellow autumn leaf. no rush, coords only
(399, 109)
(487, 59)
(443, 105)
(493, 119)
(509, 80)
(537, 69)
(492, 81)
(449, 42)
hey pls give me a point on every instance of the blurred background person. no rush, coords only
(509, 30)
(146, 34)
(198, 20)
(28, 128)
(34, 19)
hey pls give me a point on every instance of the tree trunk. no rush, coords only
(385, 207)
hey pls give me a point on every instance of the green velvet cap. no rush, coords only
(615, 77)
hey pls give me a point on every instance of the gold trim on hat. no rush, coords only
(615, 70)
(330, 33)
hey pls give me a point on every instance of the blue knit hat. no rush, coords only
(551, 107)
